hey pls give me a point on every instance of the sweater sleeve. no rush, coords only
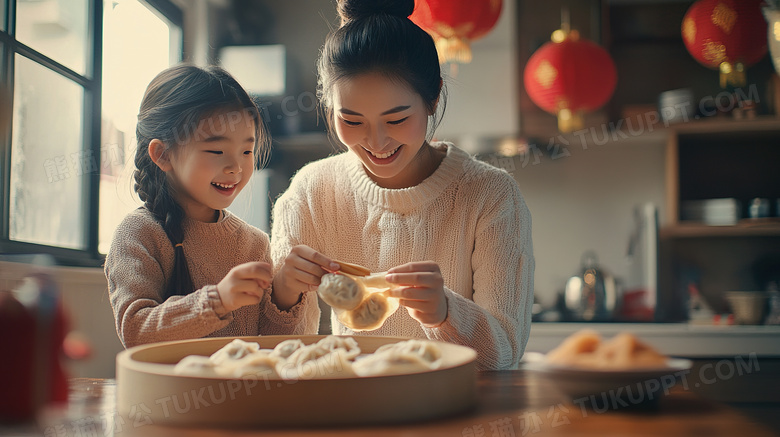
(274, 321)
(292, 226)
(136, 279)
(498, 320)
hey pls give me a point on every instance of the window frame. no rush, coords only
(91, 82)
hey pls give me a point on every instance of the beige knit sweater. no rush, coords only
(140, 262)
(468, 216)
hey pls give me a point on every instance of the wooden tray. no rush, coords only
(147, 387)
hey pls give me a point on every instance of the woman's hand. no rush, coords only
(244, 285)
(421, 291)
(301, 272)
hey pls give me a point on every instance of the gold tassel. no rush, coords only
(570, 121)
(453, 49)
(733, 74)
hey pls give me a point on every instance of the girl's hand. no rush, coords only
(301, 271)
(244, 285)
(421, 292)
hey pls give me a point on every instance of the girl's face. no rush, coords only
(215, 164)
(384, 122)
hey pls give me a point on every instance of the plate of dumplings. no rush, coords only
(294, 380)
(622, 369)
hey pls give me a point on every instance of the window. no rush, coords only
(72, 76)
(134, 51)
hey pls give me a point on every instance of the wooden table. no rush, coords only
(510, 404)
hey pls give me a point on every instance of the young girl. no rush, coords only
(453, 233)
(182, 266)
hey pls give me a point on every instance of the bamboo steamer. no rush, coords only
(147, 388)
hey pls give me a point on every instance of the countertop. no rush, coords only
(509, 403)
(675, 339)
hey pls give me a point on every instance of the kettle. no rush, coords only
(592, 295)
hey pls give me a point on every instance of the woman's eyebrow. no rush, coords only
(396, 109)
(388, 112)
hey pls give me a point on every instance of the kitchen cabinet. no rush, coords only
(719, 158)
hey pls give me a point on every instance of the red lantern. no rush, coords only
(453, 24)
(729, 35)
(568, 77)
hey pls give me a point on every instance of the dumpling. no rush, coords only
(626, 351)
(623, 351)
(341, 291)
(235, 350)
(579, 348)
(307, 353)
(347, 344)
(427, 350)
(287, 347)
(392, 362)
(261, 364)
(318, 365)
(370, 314)
(195, 365)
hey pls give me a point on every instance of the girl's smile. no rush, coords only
(226, 189)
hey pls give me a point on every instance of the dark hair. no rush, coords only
(174, 103)
(376, 36)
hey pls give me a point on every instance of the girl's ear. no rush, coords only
(158, 154)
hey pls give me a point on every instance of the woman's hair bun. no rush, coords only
(350, 10)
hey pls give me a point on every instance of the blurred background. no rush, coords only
(653, 189)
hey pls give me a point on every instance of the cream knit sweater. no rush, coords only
(140, 262)
(468, 216)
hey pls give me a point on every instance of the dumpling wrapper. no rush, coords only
(347, 344)
(235, 350)
(196, 365)
(261, 364)
(375, 306)
(341, 291)
(332, 364)
(427, 350)
(287, 347)
(392, 362)
(371, 313)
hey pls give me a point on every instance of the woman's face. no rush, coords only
(384, 122)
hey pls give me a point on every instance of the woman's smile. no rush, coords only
(383, 158)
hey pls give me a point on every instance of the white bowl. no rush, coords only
(748, 306)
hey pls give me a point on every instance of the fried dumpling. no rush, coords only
(626, 351)
(195, 365)
(623, 351)
(235, 350)
(578, 347)
(341, 291)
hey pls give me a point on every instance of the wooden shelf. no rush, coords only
(727, 125)
(769, 227)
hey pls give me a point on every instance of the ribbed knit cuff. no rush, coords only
(447, 331)
(214, 303)
(289, 317)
